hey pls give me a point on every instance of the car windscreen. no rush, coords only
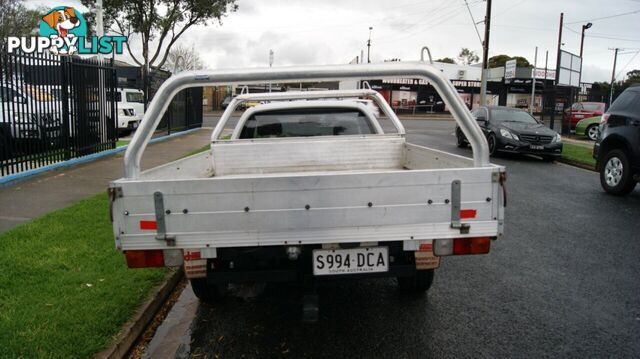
(593, 106)
(306, 122)
(498, 115)
(135, 97)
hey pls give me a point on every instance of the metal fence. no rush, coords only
(184, 112)
(53, 109)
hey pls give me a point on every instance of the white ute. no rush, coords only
(308, 187)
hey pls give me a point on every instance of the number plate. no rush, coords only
(535, 147)
(350, 261)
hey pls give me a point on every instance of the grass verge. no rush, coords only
(65, 291)
(578, 154)
(201, 149)
(121, 143)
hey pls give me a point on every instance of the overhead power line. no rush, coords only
(604, 17)
(625, 66)
(613, 38)
(475, 25)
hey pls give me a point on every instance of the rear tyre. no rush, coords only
(592, 132)
(418, 283)
(615, 173)
(460, 137)
(208, 293)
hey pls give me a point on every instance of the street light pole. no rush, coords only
(584, 27)
(369, 45)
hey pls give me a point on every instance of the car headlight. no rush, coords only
(508, 134)
(557, 138)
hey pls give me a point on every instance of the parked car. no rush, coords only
(581, 110)
(18, 133)
(129, 98)
(513, 130)
(589, 127)
(32, 104)
(617, 150)
(127, 120)
(226, 102)
(130, 105)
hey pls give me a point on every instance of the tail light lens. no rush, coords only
(604, 118)
(461, 246)
(145, 259)
(479, 245)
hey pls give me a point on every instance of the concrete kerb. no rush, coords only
(13, 179)
(132, 330)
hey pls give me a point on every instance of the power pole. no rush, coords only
(369, 45)
(544, 84)
(533, 80)
(555, 83)
(613, 74)
(485, 55)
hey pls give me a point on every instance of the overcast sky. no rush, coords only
(335, 31)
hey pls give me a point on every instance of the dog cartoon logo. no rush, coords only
(65, 23)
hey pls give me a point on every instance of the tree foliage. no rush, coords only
(500, 60)
(467, 57)
(18, 20)
(159, 23)
(633, 77)
(446, 60)
(183, 58)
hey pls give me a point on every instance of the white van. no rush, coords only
(130, 104)
(131, 99)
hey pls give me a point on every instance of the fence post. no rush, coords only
(64, 91)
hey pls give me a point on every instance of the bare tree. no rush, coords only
(467, 57)
(183, 58)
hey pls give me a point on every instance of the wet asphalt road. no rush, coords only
(564, 281)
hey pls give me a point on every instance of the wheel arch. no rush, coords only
(612, 142)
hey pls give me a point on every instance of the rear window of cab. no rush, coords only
(306, 123)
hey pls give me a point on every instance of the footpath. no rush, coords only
(60, 188)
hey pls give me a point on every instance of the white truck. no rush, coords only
(307, 189)
(130, 103)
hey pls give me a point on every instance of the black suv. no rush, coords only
(617, 150)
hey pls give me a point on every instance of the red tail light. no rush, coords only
(604, 118)
(144, 259)
(478, 245)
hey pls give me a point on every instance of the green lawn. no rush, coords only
(121, 143)
(65, 291)
(578, 154)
